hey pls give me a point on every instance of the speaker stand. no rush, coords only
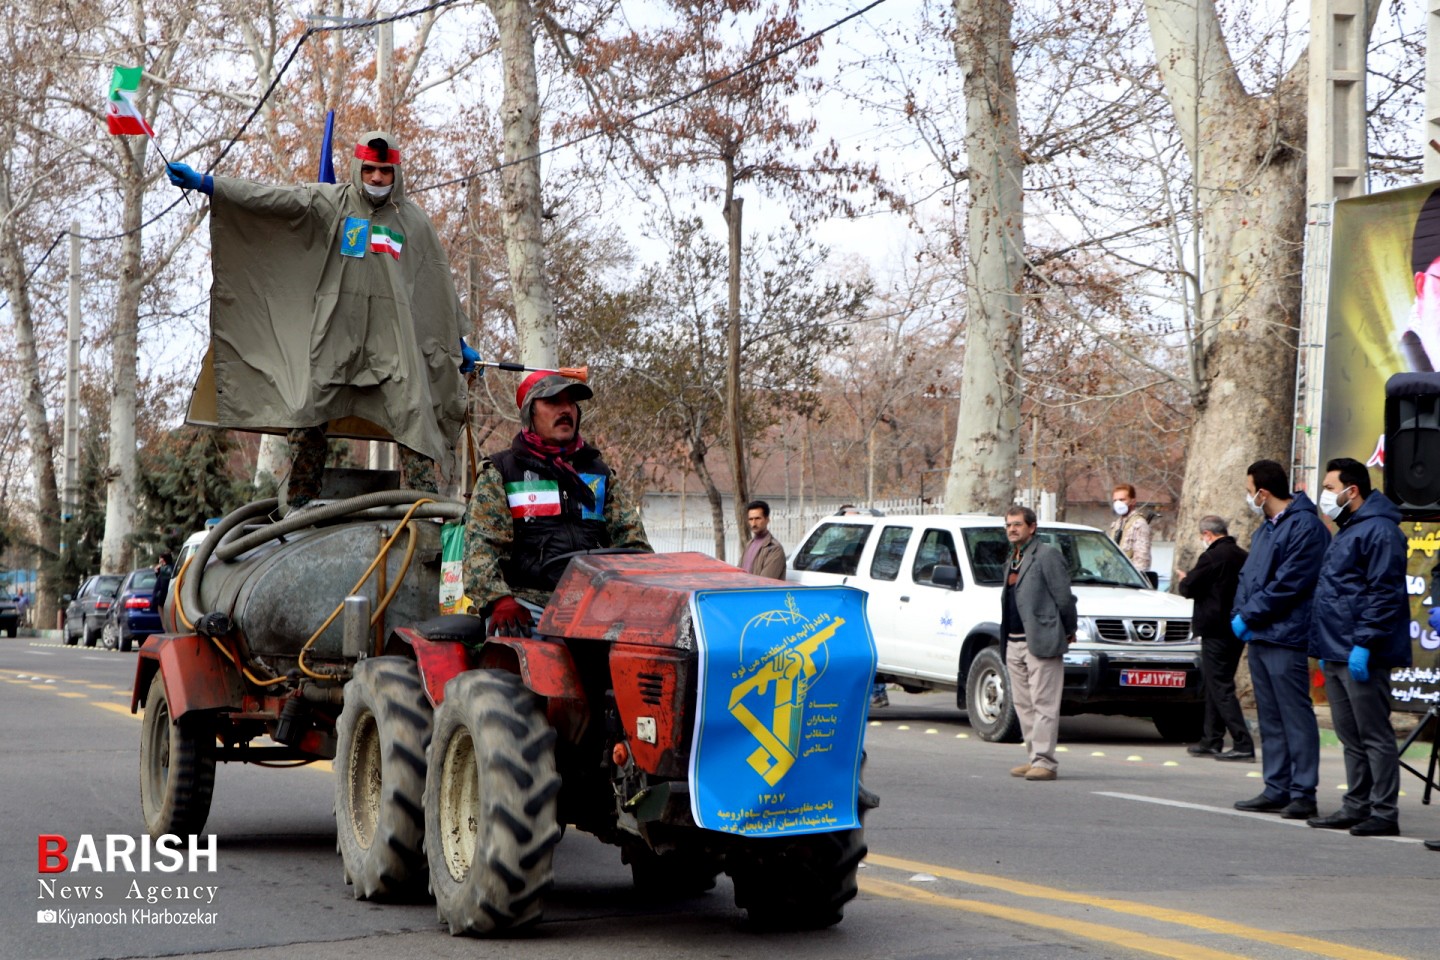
(1431, 719)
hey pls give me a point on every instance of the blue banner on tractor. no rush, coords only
(784, 682)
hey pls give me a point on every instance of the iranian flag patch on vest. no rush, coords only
(385, 240)
(533, 498)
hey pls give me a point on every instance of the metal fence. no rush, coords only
(697, 533)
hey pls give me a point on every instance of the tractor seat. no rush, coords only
(453, 628)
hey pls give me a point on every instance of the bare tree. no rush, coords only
(982, 471)
(1247, 153)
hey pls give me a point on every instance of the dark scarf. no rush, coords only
(558, 457)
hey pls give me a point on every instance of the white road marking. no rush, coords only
(1232, 812)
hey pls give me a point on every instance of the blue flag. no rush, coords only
(785, 678)
(326, 173)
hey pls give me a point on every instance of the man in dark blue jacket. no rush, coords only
(1361, 630)
(1272, 615)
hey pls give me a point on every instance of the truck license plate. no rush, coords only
(1152, 678)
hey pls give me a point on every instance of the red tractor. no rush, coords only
(458, 758)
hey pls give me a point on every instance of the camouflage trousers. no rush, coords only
(308, 448)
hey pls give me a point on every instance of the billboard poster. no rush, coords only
(1384, 318)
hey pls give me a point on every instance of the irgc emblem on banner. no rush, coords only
(784, 680)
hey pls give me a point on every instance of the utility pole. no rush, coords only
(1337, 167)
(1430, 137)
(384, 87)
(70, 443)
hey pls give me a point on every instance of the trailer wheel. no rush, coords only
(798, 883)
(177, 766)
(490, 805)
(381, 738)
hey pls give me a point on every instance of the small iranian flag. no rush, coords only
(385, 240)
(533, 498)
(120, 111)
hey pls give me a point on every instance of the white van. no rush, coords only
(934, 587)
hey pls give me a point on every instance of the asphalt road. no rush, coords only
(1133, 852)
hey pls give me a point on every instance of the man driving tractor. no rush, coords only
(548, 495)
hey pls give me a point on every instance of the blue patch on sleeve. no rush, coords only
(596, 483)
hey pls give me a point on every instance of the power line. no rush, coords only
(631, 121)
(361, 24)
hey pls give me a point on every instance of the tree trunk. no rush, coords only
(37, 423)
(1249, 163)
(520, 184)
(120, 487)
(982, 470)
(734, 412)
(712, 493)
(271, 459)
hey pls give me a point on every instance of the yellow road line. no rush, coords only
(122, 709)
(1114, 936)
(70, 694)
(1199, 921)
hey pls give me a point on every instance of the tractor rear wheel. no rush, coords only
(177, 766)
(798, 883)
(490, 805)
(381, 739)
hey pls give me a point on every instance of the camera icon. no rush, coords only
(46, 916)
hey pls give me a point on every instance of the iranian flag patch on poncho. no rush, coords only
(385, 240)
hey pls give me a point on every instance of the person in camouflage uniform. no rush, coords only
(548, 494)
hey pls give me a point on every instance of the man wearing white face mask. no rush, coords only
(333, 312)
(1362, 629)
(1130, 531)
(1272, 614)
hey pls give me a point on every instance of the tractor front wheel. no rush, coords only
(381, 739)
(177, 766)
(490, 805)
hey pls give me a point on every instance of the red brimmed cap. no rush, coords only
(543, 384)
(377, 151)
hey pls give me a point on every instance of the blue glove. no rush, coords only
(468, 357)
(1435, 618)
(1360, 664)
(1242, 631)
(186, 178)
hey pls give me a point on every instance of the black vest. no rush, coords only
(543, 532)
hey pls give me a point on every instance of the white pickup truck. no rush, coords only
(934, 606)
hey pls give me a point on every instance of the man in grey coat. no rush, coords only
(1037, 623)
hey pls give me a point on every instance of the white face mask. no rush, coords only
(1255, 508)
(1121, 508)
(1330, 504)
(378, 193)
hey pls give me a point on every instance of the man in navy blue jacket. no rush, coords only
(1273, 616)
(1362, 629)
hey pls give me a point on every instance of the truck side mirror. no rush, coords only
(66, 598)
(946, 575)
(1154, 577)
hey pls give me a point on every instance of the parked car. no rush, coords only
(86, 610)
(9, 614)
(130, 618)
(934, 586)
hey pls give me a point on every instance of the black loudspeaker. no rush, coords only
(1412, 444)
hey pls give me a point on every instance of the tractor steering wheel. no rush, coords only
(597, 552)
